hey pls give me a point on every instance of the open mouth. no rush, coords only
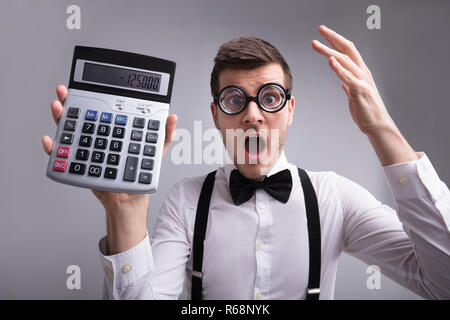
(254, 147)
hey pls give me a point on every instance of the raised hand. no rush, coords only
(366, 106)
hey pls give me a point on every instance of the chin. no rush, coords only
(253, 171)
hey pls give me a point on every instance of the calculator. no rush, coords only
(111, 134)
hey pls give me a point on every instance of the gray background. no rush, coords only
(45, 226)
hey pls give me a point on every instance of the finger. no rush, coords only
(47, 144)
(346, 76)
(171, 125)
(61, 92)
(57, 110)
(342, 44)
(343, 59)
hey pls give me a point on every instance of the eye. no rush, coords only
(232, 100)
(235, 100)
(269, 99)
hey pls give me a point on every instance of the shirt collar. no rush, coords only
(281, 164)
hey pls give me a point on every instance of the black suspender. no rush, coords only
(313, 218)
(201, 220)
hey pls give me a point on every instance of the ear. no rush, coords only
(214, 113)
(291, 108)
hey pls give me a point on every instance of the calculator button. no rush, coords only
(149, 150)
(131, 169)
(94, 171)
(85, 141)
(115, 145)
(121, 119)
(153, 124)
(103, 130)
(73, 113)
(100, 143)
(147, 164)
(118, 132)
(139, 122)
(113, 159)
(134, 148)
(70, 125)
(106, 117)
(88, 127)
(77, 168)
(60, 165)
(63, 152)
(151, 137)
(110, 173)
(82, 154)
(145, 177)
(66, 138)
(137, 135)
(98, 156)
(91, 115)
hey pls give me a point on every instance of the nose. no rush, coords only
(252, 114)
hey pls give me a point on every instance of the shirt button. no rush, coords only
(403, 179)
(109, 271)
(261, 205)
(126, 268)
(259, 244)
(258, 296)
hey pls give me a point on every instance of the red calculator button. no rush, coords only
(63, 152)
(60, 165)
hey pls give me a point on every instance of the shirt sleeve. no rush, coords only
(411, 244)
(128, 273)
(156, 267)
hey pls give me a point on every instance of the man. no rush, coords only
(256, 244)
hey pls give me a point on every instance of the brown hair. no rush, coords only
(247, 53)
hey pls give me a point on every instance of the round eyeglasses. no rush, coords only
(271, 97)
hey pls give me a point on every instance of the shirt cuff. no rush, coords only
(413, 179)
(126, 268)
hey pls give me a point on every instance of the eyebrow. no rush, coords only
(246, 92)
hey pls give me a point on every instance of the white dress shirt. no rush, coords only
(259, 250)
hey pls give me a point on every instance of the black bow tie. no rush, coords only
(278, 186)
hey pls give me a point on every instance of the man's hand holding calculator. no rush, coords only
(126, 213)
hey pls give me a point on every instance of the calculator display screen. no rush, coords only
(122, 77)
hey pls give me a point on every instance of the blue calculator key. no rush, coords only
(121, 119)
(91, 115)
(106, 117)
